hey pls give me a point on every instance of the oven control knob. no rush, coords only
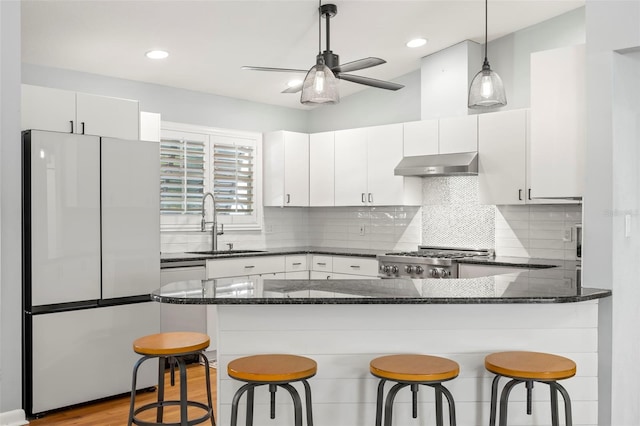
(394, 269)
(386, 269)
(408, 269)
(419, 270)
(442, 273)
(434, 273)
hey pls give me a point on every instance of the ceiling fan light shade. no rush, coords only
(487, 90)
(320, 86)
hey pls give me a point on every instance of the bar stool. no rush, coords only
(413, 370)
(529, 367)
(172, 347)
(273, 370)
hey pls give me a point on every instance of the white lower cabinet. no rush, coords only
(245, 266)
(343, 267)
(84, 355)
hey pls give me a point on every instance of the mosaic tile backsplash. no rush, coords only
(452, 215)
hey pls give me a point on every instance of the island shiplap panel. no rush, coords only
(344, 338)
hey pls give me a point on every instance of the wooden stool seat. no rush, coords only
(414, 368)
(167, 344)
(530, 365)
(267, 368)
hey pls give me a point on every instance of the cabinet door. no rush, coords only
(296, 169)
(130, 217)
(105, 116)
(273, 169)
(475, 271)
(502, 138)
(351, 167)
(150, 126)
(384, 152)
(321, 169)
(458, 134)
(64, 172)
(421, 137)
(44, 108)
(558, 111)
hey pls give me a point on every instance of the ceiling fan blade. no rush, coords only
(246, 67)
(368, 81)
(359, 64)
(293, 89)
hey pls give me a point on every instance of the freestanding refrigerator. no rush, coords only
(91, 256)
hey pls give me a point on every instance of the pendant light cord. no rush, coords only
(486, 27)
(319, 27)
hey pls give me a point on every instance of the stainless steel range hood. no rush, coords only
(458, 164)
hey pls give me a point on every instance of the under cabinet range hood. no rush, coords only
(457, 164)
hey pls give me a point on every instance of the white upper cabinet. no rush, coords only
(150, 126)
(351, 167)
(321, 169)
(44, 108)
(502, 159)
(421, 137)
(458, 134)
(286, 169)
(364, 163)
(558, 121)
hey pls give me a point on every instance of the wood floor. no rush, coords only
(115, 412)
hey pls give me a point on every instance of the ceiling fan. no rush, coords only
(332, 61)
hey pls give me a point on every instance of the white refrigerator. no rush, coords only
(91, 256)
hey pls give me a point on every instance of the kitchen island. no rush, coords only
(343, 324)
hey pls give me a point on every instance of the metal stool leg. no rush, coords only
(414, 401)
(307, 396)
(272, 401)
(494, 400)
(297, 403)
(452, 407)
(567, 403)
(133, 387)
(208, 384)
(236, 400)
(529, 385)
(162, 363)
(554, 404)
(504, 399)
(379, 401)
(439, 421)
(182, 367)
(249, 419)
(388, 405)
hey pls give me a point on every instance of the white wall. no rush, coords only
(10, 236)
(611, 258)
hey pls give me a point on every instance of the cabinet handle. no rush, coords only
(370, 197)
(249, 267)
(529, 193)
(82, 123)
(328, 277)
(288, 198)
(71, 122)
(520, 194)
(355, 266)
(321, 264)
(297, 263)
(363, 199)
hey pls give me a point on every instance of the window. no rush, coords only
(195, 160)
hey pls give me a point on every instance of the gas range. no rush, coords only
(426, 262)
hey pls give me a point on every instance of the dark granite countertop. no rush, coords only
(551, 285)
(167, 259)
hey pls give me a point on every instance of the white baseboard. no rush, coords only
(13, 418)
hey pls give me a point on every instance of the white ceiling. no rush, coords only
(210, 40)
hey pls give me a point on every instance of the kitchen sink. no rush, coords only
(211, 252)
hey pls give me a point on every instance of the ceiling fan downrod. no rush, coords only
(328, 11)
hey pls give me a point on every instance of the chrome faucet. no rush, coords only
(214, 227)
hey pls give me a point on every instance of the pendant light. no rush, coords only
(320, 86)
(486, 90)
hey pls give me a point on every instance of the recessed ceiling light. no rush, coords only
(157, 54)
(293, 83)
(417, 42)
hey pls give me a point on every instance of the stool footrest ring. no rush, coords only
(154, 405)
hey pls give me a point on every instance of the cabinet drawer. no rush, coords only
(254, 265)
(355, 265)
(296, 263)
(321, 263)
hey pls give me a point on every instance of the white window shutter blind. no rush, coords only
(233, 179)
(182, 176)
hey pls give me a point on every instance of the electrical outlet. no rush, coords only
(567, 235)
(361, 230)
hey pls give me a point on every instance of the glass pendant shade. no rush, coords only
(487, 90)
(320, 86)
